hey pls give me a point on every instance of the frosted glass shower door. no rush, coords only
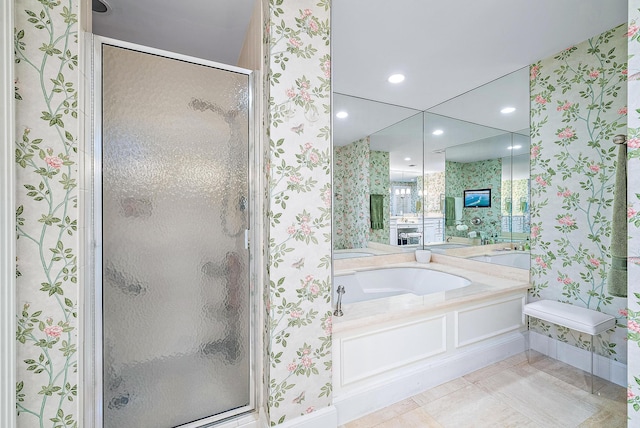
(175, 292)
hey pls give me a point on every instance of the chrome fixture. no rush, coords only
(338, 312)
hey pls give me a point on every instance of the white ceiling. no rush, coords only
(445, 49)
(208, 29)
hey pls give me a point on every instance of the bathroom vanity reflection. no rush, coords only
(419, 164)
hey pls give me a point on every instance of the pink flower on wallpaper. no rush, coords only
(308, 279)
(326, 198)
(307, 362)
(631, 212)
(622, 110)
(633, 326)
(566, 106)
(541, 181)
(625, 72)
(307, 12)
(308, 146)
(633, 29)
(326, 67)
(305, 95)
(594, 74)
(634, 260)
(566, 133)
(564, 193)
(535, 70)
(535, 151)
(310, 409)
(53, 161)
(53, 331)
(291, 230)
(594, 262)
(305, 229)
(540, 100)
(295, 179)
(630, 393)
(594, 167)
(328, 326)
(623, 312)
(566, 220)
(535, 231)
(567, 281)
(295, 42)
(633, 143)
(541, 262)
(314, 289)
(313, 25)
(291, 93)
(292, 367)
(295, 314)
(304, 84)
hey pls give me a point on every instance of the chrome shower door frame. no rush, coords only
(90, 201)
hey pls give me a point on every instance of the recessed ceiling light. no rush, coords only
(517, 146)
(508, 110)
(342, 114)
(407, 159)
(438, 132)
(396, 78)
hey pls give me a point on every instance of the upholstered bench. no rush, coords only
(573, 317)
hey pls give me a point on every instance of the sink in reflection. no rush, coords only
(441, 248)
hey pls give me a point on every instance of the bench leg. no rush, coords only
(592, 349)
(527, 343)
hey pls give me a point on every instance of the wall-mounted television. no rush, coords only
(477, 198)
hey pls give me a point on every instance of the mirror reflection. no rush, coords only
(440, 179)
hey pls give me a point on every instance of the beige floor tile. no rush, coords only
(556, 403)
(606, 418)
(472, 407)
(440, 391)
(383, 415)
(416, 418)
(569, 374)
(488, 371)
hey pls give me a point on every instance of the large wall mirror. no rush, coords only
(401, 175)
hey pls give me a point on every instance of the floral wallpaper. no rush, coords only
(486, 174)
(633, 213)
(578, 103)
(46, 93)
(351, 195)
(298, 302)
(434, 187)
(380, 184)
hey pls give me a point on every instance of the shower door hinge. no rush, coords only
(246, 239)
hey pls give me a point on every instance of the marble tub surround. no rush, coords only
(487, 282)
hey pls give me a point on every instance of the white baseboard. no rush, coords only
(606, 368)
(323, 418)
(356, 403)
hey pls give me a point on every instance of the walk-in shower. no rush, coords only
(171, 213)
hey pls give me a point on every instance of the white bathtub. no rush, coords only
(521, 260)
(385, 282)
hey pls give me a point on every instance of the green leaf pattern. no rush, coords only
(298, 301)
(46, 154)
(633, 209)
(578, 103)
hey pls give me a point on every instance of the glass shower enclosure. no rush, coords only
(173, 299)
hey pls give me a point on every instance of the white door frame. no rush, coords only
(91, 210)
(7, 222)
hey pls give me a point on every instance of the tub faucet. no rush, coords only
(338, 311)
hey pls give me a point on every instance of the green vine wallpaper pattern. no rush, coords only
(46, 56)
(578, 103)
(351, 194)
(633, 210)
(298, 303)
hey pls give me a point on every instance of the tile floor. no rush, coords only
(511, 393)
